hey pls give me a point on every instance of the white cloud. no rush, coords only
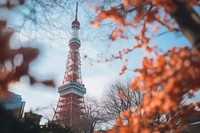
(95, 84)
(35, 96)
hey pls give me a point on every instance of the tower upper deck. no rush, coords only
(75, 27)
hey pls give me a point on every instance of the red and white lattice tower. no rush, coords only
(70, 106)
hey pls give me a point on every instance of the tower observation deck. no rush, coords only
(71, 105)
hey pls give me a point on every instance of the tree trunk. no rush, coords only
(188, 22)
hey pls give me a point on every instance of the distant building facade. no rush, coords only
(14, 104)
(32, 118)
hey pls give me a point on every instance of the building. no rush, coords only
(32, 119)
(71, 105)
(14, 104)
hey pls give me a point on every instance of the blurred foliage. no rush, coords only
(168, 79)
(15, 63)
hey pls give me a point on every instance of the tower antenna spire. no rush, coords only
(76, 10)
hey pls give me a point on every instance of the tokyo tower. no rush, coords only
(71, 105)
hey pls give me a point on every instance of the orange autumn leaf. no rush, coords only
(12, 67)
(118, 122)
(122, 95)
(115, 34)
(126, 114)
(112, 14)
(123, 69)
(164, 78)
(160, 62)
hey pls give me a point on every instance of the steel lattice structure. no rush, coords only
(70, 106)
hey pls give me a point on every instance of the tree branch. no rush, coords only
(188, 22)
